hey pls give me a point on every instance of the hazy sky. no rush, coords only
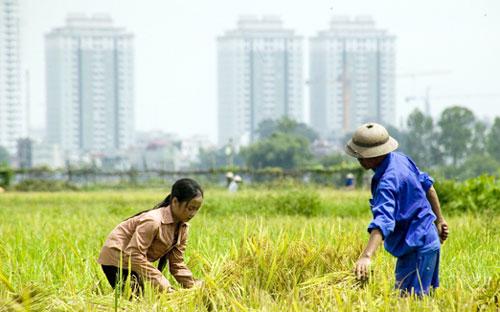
(175, 44)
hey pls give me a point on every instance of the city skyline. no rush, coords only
(260, 77)
(90, 85)
(424, 45)
(13, 117)
(351, 80)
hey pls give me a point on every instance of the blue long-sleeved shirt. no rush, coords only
(400, 207)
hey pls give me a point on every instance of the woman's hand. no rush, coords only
(361, 268)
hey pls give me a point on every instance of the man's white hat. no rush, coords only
(237, 178)
(229, 175)
(370, 140)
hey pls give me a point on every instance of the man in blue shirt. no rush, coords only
(406, 211)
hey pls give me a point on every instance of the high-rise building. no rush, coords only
(90, 86)
(259, 77)
(12, 110)
(352, 67)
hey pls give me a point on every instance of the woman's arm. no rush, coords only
(441, 223)
(176, 263)
(137, 250)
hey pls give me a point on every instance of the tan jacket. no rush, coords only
(144, 239)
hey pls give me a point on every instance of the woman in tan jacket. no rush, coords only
(158, 233)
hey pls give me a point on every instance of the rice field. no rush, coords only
(257, 250)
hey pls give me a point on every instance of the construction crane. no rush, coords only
(345, 79)
(426, 97)
(424, 73)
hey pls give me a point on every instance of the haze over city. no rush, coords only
(452, 47)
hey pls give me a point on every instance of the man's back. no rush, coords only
(400, 207)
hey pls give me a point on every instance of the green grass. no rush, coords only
(256, 251)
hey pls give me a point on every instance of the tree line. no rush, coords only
(458, 146)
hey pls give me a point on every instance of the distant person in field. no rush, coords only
(349, 181)
(229, 178)
(234, 185)
(158, 233)
(406, 212)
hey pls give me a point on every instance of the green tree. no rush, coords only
(457, 129)
(477, 165)
(474, 166)
(216, 158)
(478, 142)
(281, 149)
(286, 125)
(493, 139)
(4, 156)
(335, 159)
(420, 142)
(399, 135)
(266, 128)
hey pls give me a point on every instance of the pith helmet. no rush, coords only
(370, 140)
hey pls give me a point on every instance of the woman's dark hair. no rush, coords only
(183, 189)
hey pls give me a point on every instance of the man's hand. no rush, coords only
(363, 263)
(362, 266)
(443, 231)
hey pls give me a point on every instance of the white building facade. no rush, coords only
(47, 155)
(352, 69)
(12, 109)
(260, 76)
(90, 86)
